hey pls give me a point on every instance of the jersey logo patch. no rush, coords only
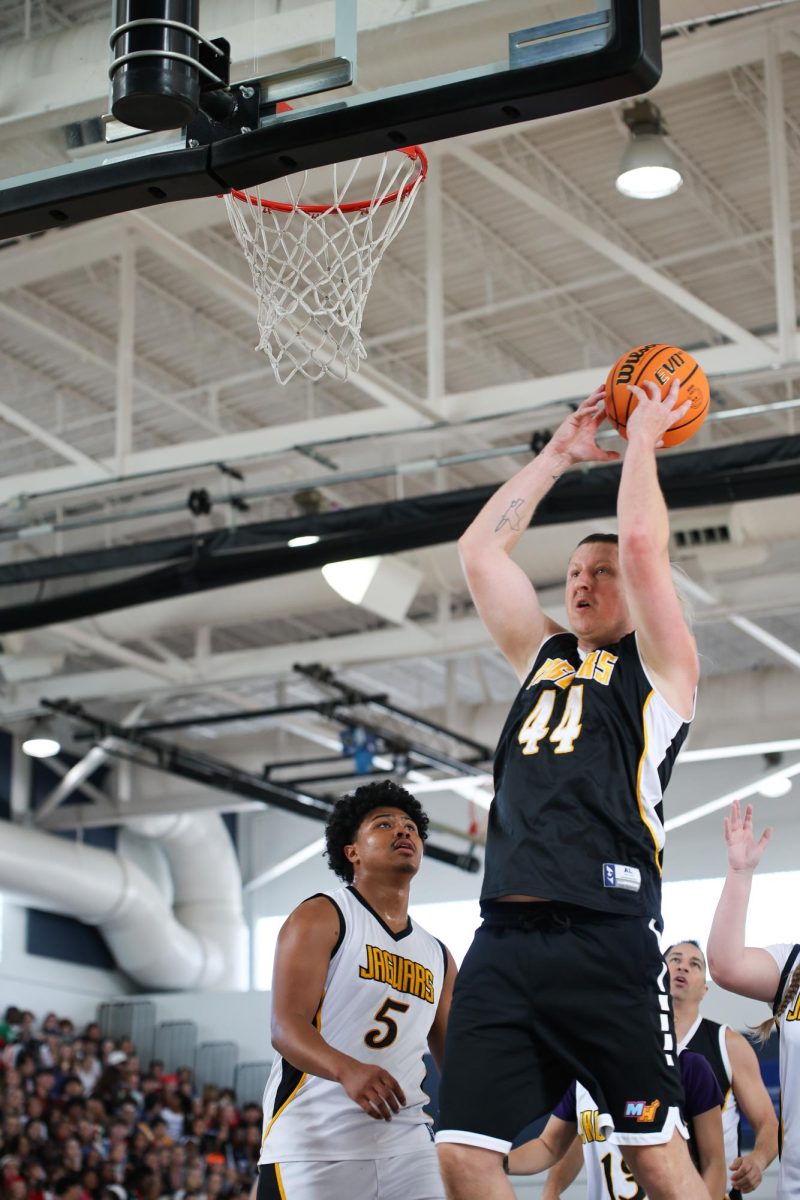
(618, 875)
(643, 1112)
(402, 974)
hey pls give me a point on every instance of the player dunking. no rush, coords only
(360, 993)
(565, 978)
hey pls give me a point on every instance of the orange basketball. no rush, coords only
(661, 365)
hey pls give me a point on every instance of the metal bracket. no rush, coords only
(224, 113)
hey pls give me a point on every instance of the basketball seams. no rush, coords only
(658, 350)
(619, 411)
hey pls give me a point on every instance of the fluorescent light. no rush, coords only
(41, 747)
(305, 539)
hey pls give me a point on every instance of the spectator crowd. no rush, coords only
(80, 1119)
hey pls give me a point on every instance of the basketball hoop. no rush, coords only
(313, 264)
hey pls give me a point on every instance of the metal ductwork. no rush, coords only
(201, 944)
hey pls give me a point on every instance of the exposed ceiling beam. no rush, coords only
(785, 299)
(230, 288)
(89, 468)
(136, 680)
(230, 447)
(99, 815)
(579, 229)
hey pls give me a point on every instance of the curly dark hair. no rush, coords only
(350, 810)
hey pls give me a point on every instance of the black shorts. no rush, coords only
(548, 993)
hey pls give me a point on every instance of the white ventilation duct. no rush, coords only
(201, 945)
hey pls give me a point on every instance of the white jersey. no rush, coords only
(709, 1039)
(789, 1052)
(380, 999)
(607, 1172)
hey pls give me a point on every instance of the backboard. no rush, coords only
(359, 79)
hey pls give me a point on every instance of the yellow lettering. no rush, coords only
(794, 1012)
(604, 667)
(403, 974)
(407, 983)
(554, 670)
(588, 665)
(368, 972)
(588, 1125)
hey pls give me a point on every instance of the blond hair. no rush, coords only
(763, 1031)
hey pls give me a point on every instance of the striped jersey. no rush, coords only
(787, 956)
(708, 1038)
(381, 994)
(580, 771)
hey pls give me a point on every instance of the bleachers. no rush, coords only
(134, 1019)
(176, 1045)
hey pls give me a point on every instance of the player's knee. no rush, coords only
(459, 1163)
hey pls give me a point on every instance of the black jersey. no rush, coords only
(708, 1038)
(580, 769)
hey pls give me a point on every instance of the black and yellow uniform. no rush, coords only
(580, 770)
(576, 987)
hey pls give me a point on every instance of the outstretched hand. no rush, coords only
(654, 413)
(575, 437)
(744, 852)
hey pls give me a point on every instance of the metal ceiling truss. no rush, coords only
(144, 750)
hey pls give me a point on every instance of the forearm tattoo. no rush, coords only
(511, 517)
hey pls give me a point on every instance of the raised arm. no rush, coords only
(746, 970)
(302, 956)
(665, 642)
(439, 1027)
(503, 594)
(753, 1099)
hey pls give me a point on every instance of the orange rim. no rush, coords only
(415, 153)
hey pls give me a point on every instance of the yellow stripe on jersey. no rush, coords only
(317, 1022)
(642, 814)
(279, 1181)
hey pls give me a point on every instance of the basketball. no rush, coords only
(661, 365)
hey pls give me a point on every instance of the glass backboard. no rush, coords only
(358, 79)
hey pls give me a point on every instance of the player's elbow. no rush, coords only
(722, 969)
(278, 1034)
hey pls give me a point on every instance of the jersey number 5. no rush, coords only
(537, 723)
(378, 1039)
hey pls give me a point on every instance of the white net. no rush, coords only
(313, 264)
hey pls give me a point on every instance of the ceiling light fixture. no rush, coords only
(41, 747)
(384, 586)
(649, 169)
(305, 539)
(774, 786)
